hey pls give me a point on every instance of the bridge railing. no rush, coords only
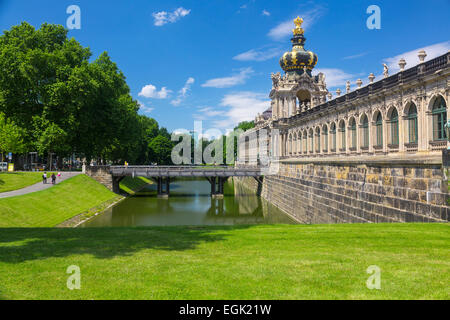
(184, 171)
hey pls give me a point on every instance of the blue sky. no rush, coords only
(211, 60)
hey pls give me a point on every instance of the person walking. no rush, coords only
(44, 178)
(53, 178)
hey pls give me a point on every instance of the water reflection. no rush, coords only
(190, 204)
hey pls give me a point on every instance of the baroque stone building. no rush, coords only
(371, 154)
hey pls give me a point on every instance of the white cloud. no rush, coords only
(285, 28)
(150, 91)
(206, 113)
(335, 77)
(242, 106)
(183, 92)
(163, 17)
(144, 109)
(259, 54)
(227, 82)
(359, 55)
(265, 13)
(411, 56)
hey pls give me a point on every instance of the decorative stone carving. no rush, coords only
(338, 92)
(402, 64)
(386, 70)
(371, 77)
(276, 78)
(359, 83)
(422, 55)
(347, 87)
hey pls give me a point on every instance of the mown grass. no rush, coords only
(52, 206)
(10, 181)
(229, 262)
(131, 185)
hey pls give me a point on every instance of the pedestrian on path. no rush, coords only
(44, 178)
(53, 178)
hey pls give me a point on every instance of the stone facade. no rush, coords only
(373, 154)
(358, 192)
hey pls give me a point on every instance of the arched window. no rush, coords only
(343, 138)
(289, 146)
(353, 132)
(412, 124)
(379, 130)
(311, 141)
(305, 142)
(317, 140)
(365, 132)
(439, 119)
(294, 143)
(299, 143)
(325, 138)
(393, 123)
(333, 137)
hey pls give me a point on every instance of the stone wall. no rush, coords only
(101, 174)
(358, 191)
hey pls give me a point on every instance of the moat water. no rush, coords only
(190, 203)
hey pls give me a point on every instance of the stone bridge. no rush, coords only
(110, 176)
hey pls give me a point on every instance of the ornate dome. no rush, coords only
(298, 59)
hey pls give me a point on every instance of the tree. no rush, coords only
(67, 104)
(245, 125)
(11, 137)
(161, 148)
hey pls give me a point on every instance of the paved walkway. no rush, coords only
(39, 186)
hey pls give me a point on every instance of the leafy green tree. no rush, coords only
(67, 104)
(11, 137)
(161, 148)
(245, 125)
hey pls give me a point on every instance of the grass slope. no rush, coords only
(10, 181)
(130, 185)
(52, 206)
(235, 262)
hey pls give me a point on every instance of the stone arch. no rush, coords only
(393, 126)
(364, 131)
(305, 141)
(433, 98)
(289, 144)
(317, 135)
(325, 137)
(333, 136)
(342, 128)
(311, 140)
(437, 111)
(353, 133)
(299, 142)
(294, 142)
(378, 125)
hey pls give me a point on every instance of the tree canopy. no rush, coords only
(60, 102)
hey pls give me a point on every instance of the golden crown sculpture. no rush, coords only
(298, 27)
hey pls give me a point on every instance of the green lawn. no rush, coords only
(10, 181)
(52, 206)
(240, 262)
(130, 185)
